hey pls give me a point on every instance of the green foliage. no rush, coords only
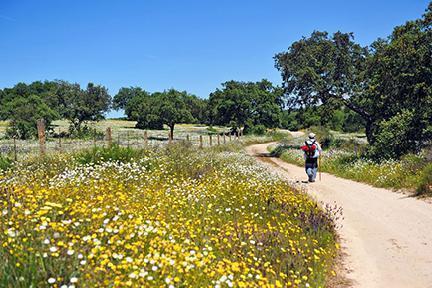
(323, 135)
(53, 100)
(257, 130)
(395, 137)
(125, 95)
(5, 162)
(335, 119)
(86, 105)
(113, 153)
(84, 133)
(168, 107)
(23, 114)
(377, 83)
(152, 111)
(407, 173)
(289, 120)
(246, 104)
(322, 70)
(425, 183)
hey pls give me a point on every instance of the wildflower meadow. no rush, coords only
(171, 216)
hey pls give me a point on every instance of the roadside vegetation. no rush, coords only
(349, 158)
(169, 216)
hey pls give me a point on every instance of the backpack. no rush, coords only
(309, 148)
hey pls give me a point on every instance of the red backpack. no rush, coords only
(309, 149)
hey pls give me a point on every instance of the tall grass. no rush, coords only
(411, 172)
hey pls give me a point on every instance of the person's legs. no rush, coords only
(309, 171)
(314, 173)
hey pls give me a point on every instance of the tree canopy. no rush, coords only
(59, 99)
(246, 104)
(153, 110)
(391, 78)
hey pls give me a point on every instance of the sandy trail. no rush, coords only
(387, 236)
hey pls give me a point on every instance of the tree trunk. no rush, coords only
(369, 131)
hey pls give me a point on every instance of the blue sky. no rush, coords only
(187, 45)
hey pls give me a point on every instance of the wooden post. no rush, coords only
(15, 150)
(224, 138)
(59, 139)
(94, 138)
(127, 136)
(109, 136)
(41, 136)
(355, 149)
(118, 139)
(229, 137)
(187, 138)
(218, 139)
(201, 142)
(145, 137)
(211, 140)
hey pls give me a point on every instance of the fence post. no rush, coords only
(187, 138)
(230, 137)
(218, 139)
(201, 142)
(94, 138)
(15, 150)
(224, 138)
(211, 140)
(41, 136)
(59, 136)
(109, 136)
(145, 137)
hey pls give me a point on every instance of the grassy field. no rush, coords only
(124, 128)
(124, 133)
(171, 216)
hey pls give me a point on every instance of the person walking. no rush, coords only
(312, 151)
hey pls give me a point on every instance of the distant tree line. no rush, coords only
(24, 104)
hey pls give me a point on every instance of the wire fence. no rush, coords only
(46, 144)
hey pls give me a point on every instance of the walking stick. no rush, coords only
(319, 166)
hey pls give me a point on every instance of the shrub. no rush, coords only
(84, 132)
(23, 113)
(113, 153)
(425, 184)
(257, 130)
(395, 137)
(5, 163)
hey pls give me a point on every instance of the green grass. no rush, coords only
(412, 172)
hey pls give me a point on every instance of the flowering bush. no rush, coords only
(174, 217)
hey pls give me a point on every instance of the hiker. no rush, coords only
(312, 150)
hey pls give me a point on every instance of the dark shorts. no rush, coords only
(311, 163)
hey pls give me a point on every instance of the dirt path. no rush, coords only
(386, 235)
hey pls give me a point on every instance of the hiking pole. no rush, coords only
(319, 166)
